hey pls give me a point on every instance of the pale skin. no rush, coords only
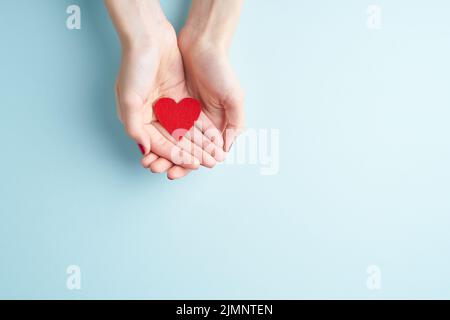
(155, 63)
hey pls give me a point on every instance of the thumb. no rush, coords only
(132, 117)
(234, 110)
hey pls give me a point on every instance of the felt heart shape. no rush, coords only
(177, 118)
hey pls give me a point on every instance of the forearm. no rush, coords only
(137, 21)
(214, 21)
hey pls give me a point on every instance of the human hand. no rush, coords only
(151, 68)
(204, 42)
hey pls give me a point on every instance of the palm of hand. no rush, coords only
(210, 78)
(145, 76)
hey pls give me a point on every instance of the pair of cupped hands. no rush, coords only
(187, 65)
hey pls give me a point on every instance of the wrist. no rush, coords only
(191, 39)
(138, 22)
(147, 36)
(211, 23)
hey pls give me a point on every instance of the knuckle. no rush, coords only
(132, 131)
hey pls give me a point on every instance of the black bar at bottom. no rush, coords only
(225, 309)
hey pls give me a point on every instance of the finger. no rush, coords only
(177, 172)
(197, 137)
(164, 148)
(135, 129)
(231, 133)
(205, 125)
(234, 109)
(133, 120)
(149, 159)
(185, 144)
(161, 165)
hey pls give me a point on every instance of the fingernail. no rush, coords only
(141, 147)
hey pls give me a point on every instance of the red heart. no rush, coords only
(177, 118)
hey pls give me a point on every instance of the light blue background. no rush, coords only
(364, 161)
